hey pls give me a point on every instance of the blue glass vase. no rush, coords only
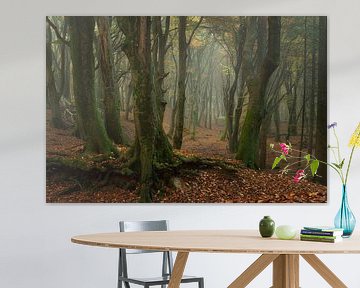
(345, 219)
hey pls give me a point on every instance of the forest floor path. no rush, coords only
(196, 183)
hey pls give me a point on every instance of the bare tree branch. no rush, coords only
(56, 30)
(193, 32)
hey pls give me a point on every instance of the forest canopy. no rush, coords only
(141, 108)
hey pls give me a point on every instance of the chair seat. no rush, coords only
(158, 280)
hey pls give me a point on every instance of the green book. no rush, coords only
(325, 240)
(319, 236)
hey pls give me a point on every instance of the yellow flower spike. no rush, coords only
(355, 138)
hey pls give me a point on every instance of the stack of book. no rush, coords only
(321, 234)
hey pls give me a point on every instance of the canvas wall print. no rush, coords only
(186, 109)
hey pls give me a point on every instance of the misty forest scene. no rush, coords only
(185, 109)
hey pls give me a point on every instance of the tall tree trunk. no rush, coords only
(203, 104)
(249, 138)
(138, 51)
(144, 113)
(238, 111)
(151, 144)
(111, 97)
(159, 53)
(210, 101)
(194, 122)
(272, 108)
(206, 111)
(179, 121)
(303, 112)
(63, 61)
(264, 131)
(82, 38)
(53, 96)
(173, 116)
(174, 100)
(277, 123)
(240, 36)
(292, 104)
(313, 87)
(67, 76)
(129, 94)
(321, 118)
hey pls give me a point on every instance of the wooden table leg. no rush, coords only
(178, 269)
(253, 270)
(286, 271)
(324, 271)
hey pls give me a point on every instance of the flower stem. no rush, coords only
(348, 166)
(338, 146)
(336, 169)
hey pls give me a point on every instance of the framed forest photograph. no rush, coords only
(186, 109)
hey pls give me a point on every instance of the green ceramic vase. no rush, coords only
(267, 227)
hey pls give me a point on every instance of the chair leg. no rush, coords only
(201, 283)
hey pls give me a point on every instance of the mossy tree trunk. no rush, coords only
(163, 149)
(179, 120)
(170, 133)
(151, 144)
(312, 106)
(144, 114)
(248, 150)
(321, 118)
(111, 91)
(82, 55)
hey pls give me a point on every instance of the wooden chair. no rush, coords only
(167, 262)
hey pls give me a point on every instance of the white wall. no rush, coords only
(35, 248)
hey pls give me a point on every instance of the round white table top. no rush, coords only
(220, 241)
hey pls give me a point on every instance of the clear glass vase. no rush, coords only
(345, 219)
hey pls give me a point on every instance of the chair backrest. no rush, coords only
(134, 226)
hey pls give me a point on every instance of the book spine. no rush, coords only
(319, 233)
(318, 239)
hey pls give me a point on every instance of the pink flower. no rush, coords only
(284, 148)
(300, 174)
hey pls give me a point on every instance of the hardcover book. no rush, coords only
(326, 240)
(323, 228)
(321, 233)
